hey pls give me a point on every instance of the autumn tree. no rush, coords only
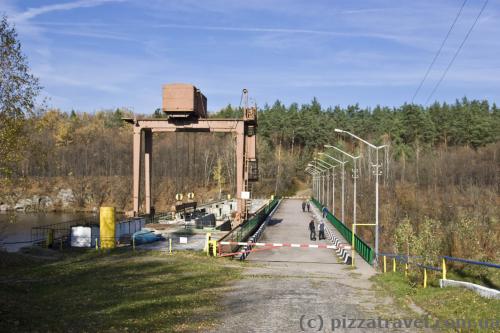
(18, 92)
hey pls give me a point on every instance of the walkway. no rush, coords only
(283, 285)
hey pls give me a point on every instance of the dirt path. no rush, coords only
(295, 289)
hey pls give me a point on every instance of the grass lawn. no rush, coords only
(439, 303)
(112, 292)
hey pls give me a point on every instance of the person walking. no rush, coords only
(308, 206)
(312, 230)
(325, 211)
(321, 228)
(303, 206)
(152, 214)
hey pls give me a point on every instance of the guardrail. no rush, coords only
(244, 231)
(443, 269)
(365, 251)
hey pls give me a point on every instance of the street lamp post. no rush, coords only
(377, 175)
(355, 177)
(319, 177)
(328, 185)
(327, 182)
(322, 169)
(342, 163)
(313, 172)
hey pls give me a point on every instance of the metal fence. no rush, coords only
(365, 251)
(242, 232)
(61, 232)
(404, 259)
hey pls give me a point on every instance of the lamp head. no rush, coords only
(338, 130)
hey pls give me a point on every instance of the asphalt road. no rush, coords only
(302, 290)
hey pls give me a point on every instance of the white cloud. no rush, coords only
(34, 12)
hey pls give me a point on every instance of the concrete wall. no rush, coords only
(483, 291)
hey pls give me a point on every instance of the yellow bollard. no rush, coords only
(385, 264)
(208, 237)
(406, 269)
(107, 227)
(214, 248)
(425, 278)
(394, 264)
(444, 269)
(96, 244)
(170, 245)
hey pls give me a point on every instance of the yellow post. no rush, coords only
(394, 264)
(406, 269)
(107, 227)
(385, 264)
(425, 278)
(170, 245)
(444, 269)
(96, 244)
(214, 248)
(208, 236)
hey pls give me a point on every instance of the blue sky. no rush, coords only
(99, 54)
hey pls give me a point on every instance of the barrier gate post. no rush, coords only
(208, 236)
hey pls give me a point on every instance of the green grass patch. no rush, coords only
(440, 303)
(112, 292)
(484, 276)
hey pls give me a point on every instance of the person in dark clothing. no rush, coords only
(324, 210)
(152, 214)
(312, 230)
(308, 206)
(321, 228)
(303, 206)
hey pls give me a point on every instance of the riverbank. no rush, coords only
(116, 291)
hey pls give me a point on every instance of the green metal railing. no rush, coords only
(251, 224)
(365, 251)
(245, 230)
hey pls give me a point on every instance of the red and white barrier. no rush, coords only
(296, 245)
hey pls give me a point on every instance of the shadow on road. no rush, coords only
(274, 222)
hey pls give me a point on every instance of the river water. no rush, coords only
(15, 227)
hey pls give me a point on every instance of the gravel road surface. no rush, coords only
(303, 290)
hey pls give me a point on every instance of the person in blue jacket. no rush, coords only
(321, 228)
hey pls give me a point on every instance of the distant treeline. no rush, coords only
(99, 144)
(464, 123)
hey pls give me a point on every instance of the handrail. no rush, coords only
(473, 262)
(466, 261)
(242, 231)
(365, 251)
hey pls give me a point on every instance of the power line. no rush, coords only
(439, 51)
(457, 52)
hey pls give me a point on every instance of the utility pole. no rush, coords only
(342, 163)
(377, 175)
(329, 166)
